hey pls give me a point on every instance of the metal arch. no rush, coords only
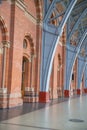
(85, 76)
(58, 15)
(75, 26)
(84, 44)
(48, 50)
(81, 4)
(71, 63)
(70, 55)
(46, 6)
(50, 9)
(81, 63)
(81, 69)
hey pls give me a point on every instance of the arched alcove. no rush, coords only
(3, 52)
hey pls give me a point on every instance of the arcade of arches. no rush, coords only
(20, 56)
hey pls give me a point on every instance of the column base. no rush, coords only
(44, 97)
(78, 91)
(66, 93)
(54, 94)
(30, 96)
(10, 100)
(85, 90)
(60, 92)
(3, 90)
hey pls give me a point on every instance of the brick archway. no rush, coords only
(25, 74)
(4, 30)
(4, 44)
(29, 39)
(28, 61)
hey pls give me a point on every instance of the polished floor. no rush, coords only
(69, 114)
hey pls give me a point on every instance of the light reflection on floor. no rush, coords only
(68, 115)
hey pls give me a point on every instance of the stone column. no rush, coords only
(31, 71)
(29, 68)
(28, 88)
(5, 46)
(58, 82)
(4, 66)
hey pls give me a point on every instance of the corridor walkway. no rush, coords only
(67, 115)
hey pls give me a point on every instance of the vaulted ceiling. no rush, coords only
(77, 21)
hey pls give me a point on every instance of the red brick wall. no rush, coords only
(31, 7)
(20, 22)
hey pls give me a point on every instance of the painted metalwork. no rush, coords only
(81, 68)
(76, 27)
(76, 24)
(71, 54)
(85, 76)
(51, 36)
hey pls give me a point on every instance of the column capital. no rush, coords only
(1, 50)
(5, 44)
(32, 56)
(3, 90)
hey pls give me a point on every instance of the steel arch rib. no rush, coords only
(77, 49)
(76, 24)
(81, 69)
(45, 76)
(86, 75)
(50, 10)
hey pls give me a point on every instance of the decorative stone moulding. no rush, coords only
(3, 90)
(6, 44)
(1, 50)
(30, 95)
